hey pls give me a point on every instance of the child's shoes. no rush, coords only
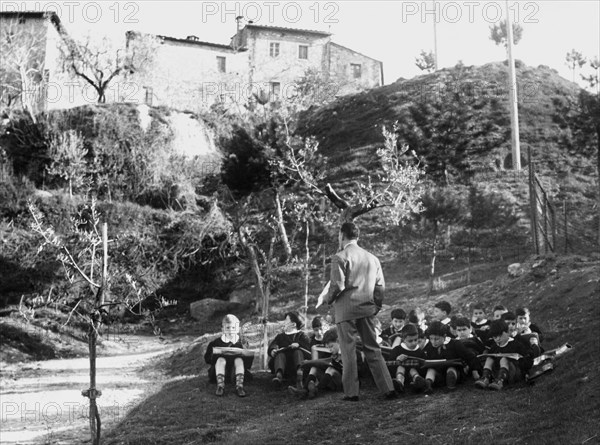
(240, 391)
(220, 391)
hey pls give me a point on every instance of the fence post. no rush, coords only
(532, 202)
(565, 225)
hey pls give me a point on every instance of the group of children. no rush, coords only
(420, 354)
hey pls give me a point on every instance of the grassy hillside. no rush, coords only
(563, 295)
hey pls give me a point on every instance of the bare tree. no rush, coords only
(574, 59)
(100, 62)
(394, 190)
(22, 60)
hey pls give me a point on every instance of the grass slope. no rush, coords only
(562, 407)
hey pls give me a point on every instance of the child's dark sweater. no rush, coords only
(515, 347)
(473, 344)
(283, 340)
(451, 350)
(401, 349)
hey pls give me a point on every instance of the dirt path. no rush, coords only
(41, 402)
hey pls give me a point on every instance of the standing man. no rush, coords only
(356, 293)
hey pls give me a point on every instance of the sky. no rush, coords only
(393, 32)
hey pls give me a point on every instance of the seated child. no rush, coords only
(316, 339)
(390, 333)
(441, 312)
(513, 330)
(498, 311)
(408, 347)
(500, 371)
(442, 348)
(464, 334)
(221, 366)
(417, 318)
(480, 324)
(323, 373)
(286, 350)
(529, 330)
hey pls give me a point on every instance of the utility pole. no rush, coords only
(514, 109)
(435, 54)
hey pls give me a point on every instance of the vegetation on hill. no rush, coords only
(157, 203)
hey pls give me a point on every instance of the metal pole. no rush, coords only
(514, 110)
(435, 50)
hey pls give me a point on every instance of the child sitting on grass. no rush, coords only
(288, 349)
(227, 366)
(528, 330)
(464, 334)
(480, 323)
(501, 371)
(316, 339)
(408, 347)
(390, 333)
(324, 374)
(440, 347)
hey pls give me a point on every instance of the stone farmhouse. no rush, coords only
(186, 74)
(192, 74)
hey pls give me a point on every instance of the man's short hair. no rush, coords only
(499, 307)
(522, 311)
(497, 327)
(350, 230)
(399, 314)
(444, 306)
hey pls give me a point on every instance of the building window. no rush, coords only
(356, 70)
(274, 49)
(303, 52)
(275, 90)
(221, 64)
(148, 96)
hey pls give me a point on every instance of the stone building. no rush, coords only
(30, 77)
(192, 74)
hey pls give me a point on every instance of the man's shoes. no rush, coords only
(497, 385)
(451, 379)
(297, 392)
(390, 395)
(312, 389)
(419, 383)
(350, 398)
(239, 390)
(482, 383)
(220, 391)
(398, 386)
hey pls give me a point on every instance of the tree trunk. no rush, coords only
(94, 325)
(433, 255)
(281, 227)
(306, 271)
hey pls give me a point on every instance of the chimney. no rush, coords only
(239, 21)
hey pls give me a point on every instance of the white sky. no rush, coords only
(391, 31)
